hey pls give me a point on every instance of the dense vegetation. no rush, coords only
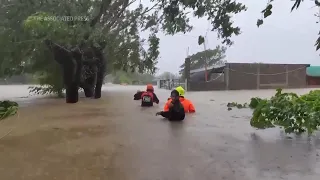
(122, 77)
(293, 113)
(168, 75)
(23, 29)
(19, 79)
(209, 57)
(8, 108)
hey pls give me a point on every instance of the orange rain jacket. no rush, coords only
(187, 105)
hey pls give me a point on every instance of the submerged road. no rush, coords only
(113, 138)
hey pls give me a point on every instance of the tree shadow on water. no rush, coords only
(294, 155)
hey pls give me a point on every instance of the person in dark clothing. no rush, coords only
(147, 97)
(176, 110)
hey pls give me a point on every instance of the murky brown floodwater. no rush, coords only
(113, 138)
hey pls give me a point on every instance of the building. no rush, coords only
(238, 76)
(198, 75)
(313, 75)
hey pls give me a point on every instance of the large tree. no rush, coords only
(111, 21)
(112, 25)
(209, 57)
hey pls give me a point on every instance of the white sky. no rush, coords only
(283, 38)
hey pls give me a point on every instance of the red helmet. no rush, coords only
(150, 87)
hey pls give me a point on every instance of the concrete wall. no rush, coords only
(242, 76)
(207, 86)
(266, 76)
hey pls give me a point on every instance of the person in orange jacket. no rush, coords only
(147, 97)
(187, 104)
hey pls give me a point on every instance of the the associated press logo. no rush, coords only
(63, 18)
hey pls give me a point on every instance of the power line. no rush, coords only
(205, 52)
(255, 74)
(271, 74)
(186, 35)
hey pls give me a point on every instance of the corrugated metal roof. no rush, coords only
(208, 68)
(313, 71)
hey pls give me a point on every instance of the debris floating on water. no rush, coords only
(8, 108)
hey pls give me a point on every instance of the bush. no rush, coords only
(51, 82)
(293, 113)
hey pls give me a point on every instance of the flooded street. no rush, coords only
(113, 138)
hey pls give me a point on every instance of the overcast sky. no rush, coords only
(284, 37)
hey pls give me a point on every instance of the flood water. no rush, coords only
(114, 138)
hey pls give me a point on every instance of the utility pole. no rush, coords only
(187, 52)
(205, 53)
(186, 72)
(170, 82)
(205, 61)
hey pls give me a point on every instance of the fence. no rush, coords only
(238, 76)
(216, 81)
(265, 76)
(171, 84)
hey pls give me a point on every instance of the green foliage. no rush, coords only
(41, 28)
(167, 75)
(200, 40)
(8, 108)
(24, 26)
(237, 105)
(48, 75)
(212, 56)
(122, 77)
(293, 113)
(219, 14)
(19, 79)
(50, 82)
(109, 21)
(255, 102)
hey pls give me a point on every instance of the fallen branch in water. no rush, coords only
(9, 130)
(8, 108)
(253, 104)
(293, 113)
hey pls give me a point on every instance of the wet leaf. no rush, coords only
(259, 22)
(200, 40)
(267, 13)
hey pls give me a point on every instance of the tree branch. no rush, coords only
(120, 13)
(132, 20)
(104, 4)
